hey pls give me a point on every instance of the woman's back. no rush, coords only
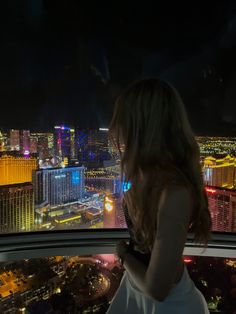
(183, 297)
(160, 158)
(175, 181)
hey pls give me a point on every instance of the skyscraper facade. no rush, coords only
(14, 136)
(64, 143)
(2, 142)
(93, 147)
(42, 147)
(50, 143)
(15, 169)
(33, 143)
(222, 206)
(220, 172)
(59, 185)
(16, 207)
(25, 142)
(42, 144)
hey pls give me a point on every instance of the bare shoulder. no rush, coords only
(175, 202)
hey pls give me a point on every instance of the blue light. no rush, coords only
(91, 155)
(75, 178)
(63, 127)
(126, 186)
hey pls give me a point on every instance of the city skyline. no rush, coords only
(66, 197)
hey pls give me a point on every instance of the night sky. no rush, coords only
(66, 61)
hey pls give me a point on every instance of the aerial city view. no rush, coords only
(69, 179)
(63, 65)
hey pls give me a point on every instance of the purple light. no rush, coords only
(26, 153)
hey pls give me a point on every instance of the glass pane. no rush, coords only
(62, 67)
(86, 284)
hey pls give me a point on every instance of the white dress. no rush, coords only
(183, 298)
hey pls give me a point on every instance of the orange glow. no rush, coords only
(14, 170)
(67, 219)
(109, 207)
(107, 199)
(188, 260)
(210, 190)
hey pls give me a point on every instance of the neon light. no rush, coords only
(57, 127)
(210, 190)
(126, 186)
(46, 224)
(65, 128)
(103, 129)
(68, 219)
(109, 207)
(60, 176)
(107, 199)
(188, 260)
(26, 152)
(75, 178)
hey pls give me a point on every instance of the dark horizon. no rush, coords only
(68, 62)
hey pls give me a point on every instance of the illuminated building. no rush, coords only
(59, 185)
(42, 144)
(50, 143)
(81, 144)
(16, 207)
(68, 218)
(93, 213)
(93, 147)
(113, 151)
(15, 140)
(220, 172)
(15, 169)
(2, 142)
(25, 142)
(64, 142)
(109, 219)
(216, 146)
(72, 144)
(43, 151)
(222, 206)
(33, 143)
(113, 216)
(110, 184)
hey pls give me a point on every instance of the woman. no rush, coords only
(160, 158)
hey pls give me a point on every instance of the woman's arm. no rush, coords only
(136, 271)
(173, 216)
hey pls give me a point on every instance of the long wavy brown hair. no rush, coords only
(150, 128)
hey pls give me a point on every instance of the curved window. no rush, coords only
(36, 278)
(62, 67)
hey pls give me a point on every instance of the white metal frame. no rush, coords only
(95, 241)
